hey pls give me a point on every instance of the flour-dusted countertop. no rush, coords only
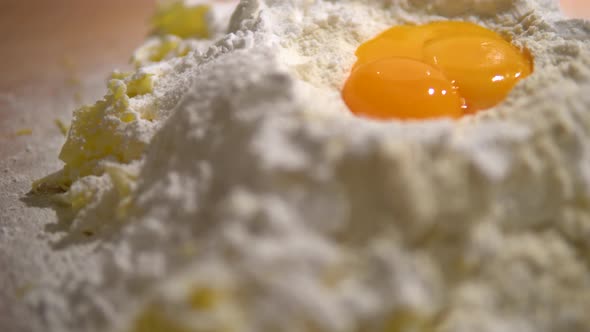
(55, 55)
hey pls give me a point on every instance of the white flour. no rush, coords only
(261, 204)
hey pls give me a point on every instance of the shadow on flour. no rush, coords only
(68, 232)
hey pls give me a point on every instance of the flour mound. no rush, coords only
(262, 204)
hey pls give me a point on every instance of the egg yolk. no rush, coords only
(441, 69)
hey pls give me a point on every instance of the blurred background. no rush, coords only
(576, 8)
(41, 37)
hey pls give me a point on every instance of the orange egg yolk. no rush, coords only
(441, 69)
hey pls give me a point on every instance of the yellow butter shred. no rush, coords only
(79, 199)
(22, 291)
(151, 320)
(408, 320)
(63, 128)
(182, 20)
(97, 132)
(215, 305)
(205, 298)
(120, 75)
(160, 48)
(140, 86)
(24, 132)
(123, 182)
(93, 134)
(54, 183)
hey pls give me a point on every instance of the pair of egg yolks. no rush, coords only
(441, 69)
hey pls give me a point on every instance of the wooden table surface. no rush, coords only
(576, 8)
(37, 36)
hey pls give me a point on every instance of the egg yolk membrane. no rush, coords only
(440, 69)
